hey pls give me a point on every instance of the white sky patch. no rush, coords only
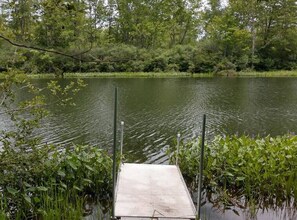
(205, 4)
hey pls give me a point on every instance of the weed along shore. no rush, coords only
(159, 75)
(59, 186)
(254, 173)
(240, 171)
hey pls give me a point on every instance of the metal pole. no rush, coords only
(114, 151)
(122, 138)
(201, 168)
(177, 149)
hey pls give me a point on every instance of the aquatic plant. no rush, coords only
(244, 171)
(53, 185)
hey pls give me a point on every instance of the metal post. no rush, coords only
(201, 168)
(114, 151)
(177, 149)
(122, 138)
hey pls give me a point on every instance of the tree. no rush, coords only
(152, 24)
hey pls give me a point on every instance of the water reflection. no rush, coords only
(155, 110)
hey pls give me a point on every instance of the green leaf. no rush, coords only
(89, 168)
(88, 181)
(42, 188)
(12, 190)
(229, 174)
(63, 185)
(61, 173)
(36, 200)
(27, 184)
(27, 198)
(73, 166)
(77, 188)
(240, 178)
(31, 189)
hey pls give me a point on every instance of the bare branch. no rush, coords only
(3, 100)
(45, 50)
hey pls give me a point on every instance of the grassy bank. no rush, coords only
(119, 75)
(34, 76)
(282, 73)
(129, 75)
(177, 74)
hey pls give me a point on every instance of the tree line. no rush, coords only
(40, 36)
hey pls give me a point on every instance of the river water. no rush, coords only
(155, 110)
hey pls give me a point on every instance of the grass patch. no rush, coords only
(279, 73)
(33, 76)
(120, 75)
(127, 75)
(245, 171)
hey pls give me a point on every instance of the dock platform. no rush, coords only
(150, 191)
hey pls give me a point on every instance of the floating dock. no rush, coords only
(150, 191)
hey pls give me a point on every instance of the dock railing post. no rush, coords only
(114, 152)
(122, 139)
(201, 169)
(177, 149)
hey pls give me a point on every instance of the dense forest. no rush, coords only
(41, 36)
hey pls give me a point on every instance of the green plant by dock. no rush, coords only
(59, 185)
(39, 180)
(259, 172)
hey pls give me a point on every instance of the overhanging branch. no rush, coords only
(45, 50)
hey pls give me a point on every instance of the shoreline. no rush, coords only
(267, 74)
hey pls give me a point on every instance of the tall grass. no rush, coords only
(61, 205)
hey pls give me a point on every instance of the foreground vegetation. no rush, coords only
(50, 183)
(244, 171)
(38, 180)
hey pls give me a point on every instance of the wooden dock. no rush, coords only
(149, 191)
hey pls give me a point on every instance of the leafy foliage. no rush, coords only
(38, 179)
(244, 170)
(118, 36)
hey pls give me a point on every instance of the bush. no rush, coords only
(47, 173)
(38, 179)
(158, 64)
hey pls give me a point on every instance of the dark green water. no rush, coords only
(155, 110)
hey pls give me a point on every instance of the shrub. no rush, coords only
(38, 179)
(27, 180)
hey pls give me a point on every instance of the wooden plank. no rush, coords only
(152, 191)
(152, 218)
